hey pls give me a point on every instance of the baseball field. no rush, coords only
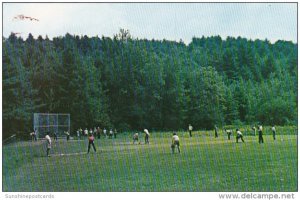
(205, 164)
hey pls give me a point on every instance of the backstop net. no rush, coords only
(52, 123)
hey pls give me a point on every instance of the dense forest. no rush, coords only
(131, 83)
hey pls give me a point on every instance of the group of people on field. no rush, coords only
(136, 137)
(190, 128)
(239, 134)
(260, 133)
(97, 132)
(80, 133)
(91, 137)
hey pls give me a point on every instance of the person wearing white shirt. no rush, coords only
(78, 134)
(68, 135)
(135, 137)
(274, 132)
(216, 131)
(239, 136)
(260, 134)
(147, 134)
(34, 135)
(111, 134)
(190, 130)
(175, 142)
(48, 144)
(86, 132)
(104, 132)
(229, 133)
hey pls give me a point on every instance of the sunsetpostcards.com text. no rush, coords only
(29, 196)
(268, 196)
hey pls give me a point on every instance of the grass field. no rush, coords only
(205, 164)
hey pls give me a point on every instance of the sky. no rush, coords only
(170, 21)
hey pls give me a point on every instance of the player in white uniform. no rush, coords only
(147, 134)
(229, 133)
(110, 134)
(48, 144)
(239, 135)
(274, 132)
(175, 142)
(190, 130)
(135, 137)
(104, 132)
(260, 134)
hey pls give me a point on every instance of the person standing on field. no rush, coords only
(147, 134)
(175, 142)
(104, 132)
(86, 132)
(115, 133)
(78, 134)
(80, 131)
(239, 136)
(274, 132)
(216, 131)
(48, 144)
(229, 133)
(111, 134)
(254, 130)
(32, 135)
(55, 136)
(68, 135)
(91, 142)
(260, 134)
(35, 134)
(135, 137)
(190, 130)
(98, 132)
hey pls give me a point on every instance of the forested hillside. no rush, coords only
(132, 83)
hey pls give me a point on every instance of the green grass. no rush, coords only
(205, 164)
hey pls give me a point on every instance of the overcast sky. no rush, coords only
(171, 21)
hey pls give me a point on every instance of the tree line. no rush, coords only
(131, 83)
